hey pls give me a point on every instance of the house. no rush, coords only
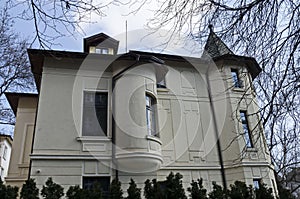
(100, 115)
(24, 107)
(5, 151)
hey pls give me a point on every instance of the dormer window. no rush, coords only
(104, 51)
(101, 44)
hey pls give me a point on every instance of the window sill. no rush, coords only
(236, 89)
(93, 138)
(163, 90)
(153, 138)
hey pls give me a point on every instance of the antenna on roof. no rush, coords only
(126, 37)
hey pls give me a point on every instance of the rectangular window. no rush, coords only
(235, 78)
(110, 51)
(98, 51)
(5, 152)
(256, 183)
(104, 51)
(90, 183)
(246, 130)
(94, 114)
(92, 49)
(150, 115)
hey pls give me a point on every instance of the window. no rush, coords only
(94, 114)
(256, 183)
(5, 152)
(90, 183)
(161, 84)
(98, 51)
(92, 49)
(105, 51)
(235, 77)
(150, 115)
(247, 134)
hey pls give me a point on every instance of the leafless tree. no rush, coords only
(268, 30)
(57, 18)
(15, 74)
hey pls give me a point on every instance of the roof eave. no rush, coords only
(250, 63)
(13, 99)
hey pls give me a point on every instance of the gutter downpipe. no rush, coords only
(215, 128)
(113, 129)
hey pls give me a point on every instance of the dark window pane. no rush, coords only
(235, 78)
(95, 114)
(247, 134)
(161, 84)
(89, 183)
(150, 115)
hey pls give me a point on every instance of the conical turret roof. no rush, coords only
(214, 46)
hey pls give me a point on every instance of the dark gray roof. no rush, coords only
(215, 47)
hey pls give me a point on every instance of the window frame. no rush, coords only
(101, 50)
(151, 110)
(256, 183)
(106, 131)
(246, 130)
(235, 77)
(105, 193)
(5, 149)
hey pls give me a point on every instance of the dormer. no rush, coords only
(100, 44)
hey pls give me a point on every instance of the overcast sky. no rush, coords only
(113, 24)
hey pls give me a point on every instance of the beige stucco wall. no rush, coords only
(21, 147)
(60, 151)
(185, 123)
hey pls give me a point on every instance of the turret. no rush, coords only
(137, 143)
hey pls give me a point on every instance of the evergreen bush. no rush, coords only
(115, 189)
(52, 190)
(263, 192)
(197, 191)
(174, 187)
(29, 190)
(152, 190)
(239, 190)
(133, 192)
(218, 192)
(8, 192)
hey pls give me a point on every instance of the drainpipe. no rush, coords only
(215, 127)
